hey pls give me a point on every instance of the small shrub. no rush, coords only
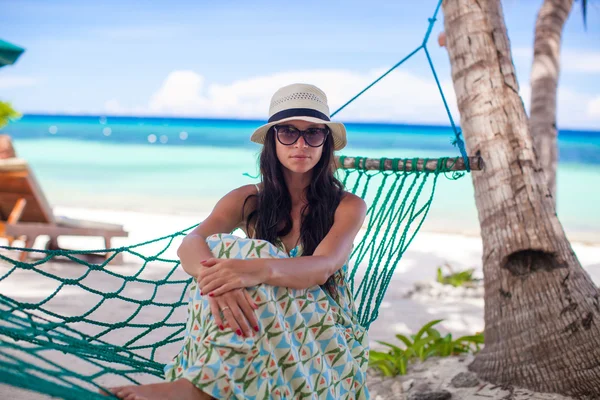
(461, 278)
(428, 342)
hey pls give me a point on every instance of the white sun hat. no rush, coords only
(305, 102)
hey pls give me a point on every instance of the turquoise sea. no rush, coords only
(176, 165)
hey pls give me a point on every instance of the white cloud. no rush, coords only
(571, 60)
(577, 110)
(9, 82)
(400, 96)
(581, 61)
(593, 108)
(180, 93)
(574, 109)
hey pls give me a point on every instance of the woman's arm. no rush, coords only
(298, 272)
(225, 217)
(329, 256)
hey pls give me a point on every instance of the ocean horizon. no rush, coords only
(184, 165)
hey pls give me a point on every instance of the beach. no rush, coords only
(155, 188)
(399, 313)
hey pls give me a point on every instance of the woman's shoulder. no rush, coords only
(352, 203)
(236, 198)
(244, 191)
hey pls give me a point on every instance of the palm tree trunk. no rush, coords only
(542, 311)
(544, 83)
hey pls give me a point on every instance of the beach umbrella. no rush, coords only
(9, 53)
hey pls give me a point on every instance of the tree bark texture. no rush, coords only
(542, 311)
(544, 84)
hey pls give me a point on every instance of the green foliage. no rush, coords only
(428, 342)
(455, 279)
(7, 113)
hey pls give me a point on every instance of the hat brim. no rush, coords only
(338, 130)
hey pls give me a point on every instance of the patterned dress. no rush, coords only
(309, 346)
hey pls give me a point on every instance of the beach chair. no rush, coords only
(26, 214)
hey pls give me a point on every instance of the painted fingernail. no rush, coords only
(238, 332)
(201, 294)
(221, 327)
(256, 328)
(211, 295)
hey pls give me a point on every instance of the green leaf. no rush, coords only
(376, 356)
(426, 327)
(393, 347)
(7, 113)
(403, 367)
(421, 346)
(404, 339)
(385, 368)
(471, 338)
(434, 332)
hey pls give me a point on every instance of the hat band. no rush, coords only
(298, 112)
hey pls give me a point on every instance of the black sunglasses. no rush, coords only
(287, 135)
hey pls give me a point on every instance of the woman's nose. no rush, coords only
(301, 142)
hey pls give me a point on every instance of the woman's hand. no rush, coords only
(223, 275)
(238, 309)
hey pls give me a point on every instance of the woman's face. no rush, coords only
(299, 157)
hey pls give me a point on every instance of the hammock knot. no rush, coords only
(23, 265)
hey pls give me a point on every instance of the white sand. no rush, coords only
(397, 314)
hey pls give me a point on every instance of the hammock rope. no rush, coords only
(74, 356)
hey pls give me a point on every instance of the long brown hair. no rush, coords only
(274, 204)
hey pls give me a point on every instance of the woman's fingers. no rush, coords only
(205, 281)
(246, 303)
(212, 284)
(216, 312)
(226, 310)
(210, 262)
(206, 273)
(226, 287)
(235, 309)
(249, 298)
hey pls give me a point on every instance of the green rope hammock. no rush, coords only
(399, 194)
(74, 356)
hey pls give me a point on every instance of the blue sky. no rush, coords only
(226, 58)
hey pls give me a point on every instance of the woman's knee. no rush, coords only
(225, 245)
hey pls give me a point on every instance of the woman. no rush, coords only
(265, 322)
